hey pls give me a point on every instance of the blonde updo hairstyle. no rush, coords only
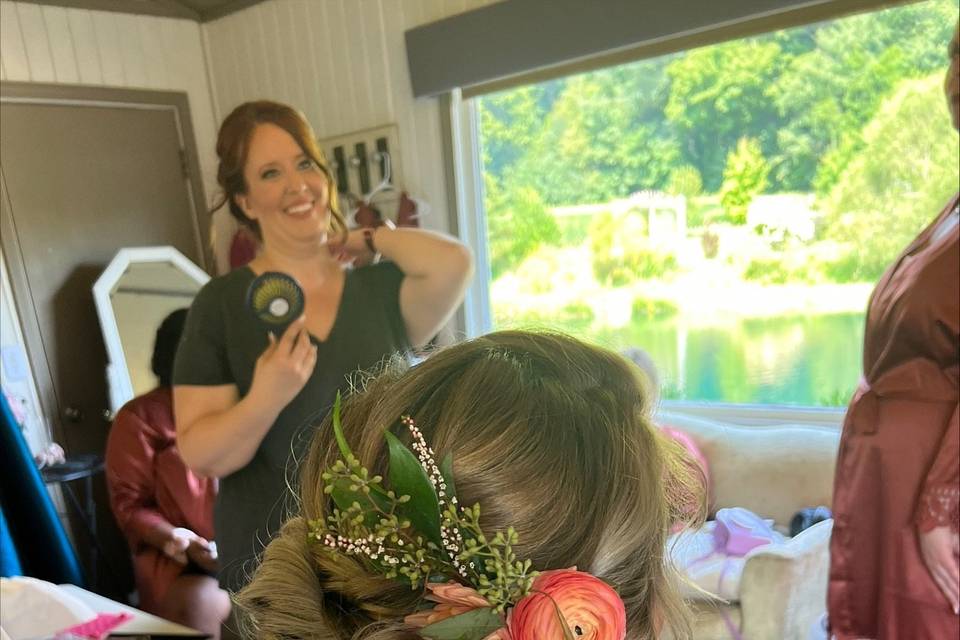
(549, 435)
(233, 147)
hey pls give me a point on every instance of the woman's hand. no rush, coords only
(284, 367)
(203, 553)
(940, 549)
(353, 250)
(177, 543)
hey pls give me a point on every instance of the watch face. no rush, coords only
(276, 300)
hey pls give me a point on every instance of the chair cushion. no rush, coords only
(772, 470)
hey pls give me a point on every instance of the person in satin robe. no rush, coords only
(895, 549)
(164, 509)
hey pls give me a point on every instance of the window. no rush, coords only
(726, 209)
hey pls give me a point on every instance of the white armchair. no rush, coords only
(774, 472)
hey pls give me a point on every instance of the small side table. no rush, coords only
(80, 467)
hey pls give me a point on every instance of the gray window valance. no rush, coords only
(521, 41)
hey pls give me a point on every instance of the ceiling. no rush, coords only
(199, 10)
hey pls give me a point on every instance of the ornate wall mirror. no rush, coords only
(137, 290)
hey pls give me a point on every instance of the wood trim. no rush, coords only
(758, 415)
(177, 100)
(447, 146)
(25, 311)
(162, 8)
(226, 8)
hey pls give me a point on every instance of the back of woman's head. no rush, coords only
(550, 436)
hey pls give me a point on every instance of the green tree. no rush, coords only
(718, 95)
(744, 177)
(510, 122)
(828, 92)
(897, 182)
(804, 94)
(602, 139)
(517, 224)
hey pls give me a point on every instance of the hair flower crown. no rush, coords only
(417, 531)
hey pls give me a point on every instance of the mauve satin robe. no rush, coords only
(150, 486)
(899, 462)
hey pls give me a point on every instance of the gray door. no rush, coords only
(81, 181)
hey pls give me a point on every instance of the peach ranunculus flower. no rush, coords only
(452, 599)
(590, 607)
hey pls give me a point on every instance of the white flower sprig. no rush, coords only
(378, 525)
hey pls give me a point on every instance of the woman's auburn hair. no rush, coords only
(233, 147)
(550, 435)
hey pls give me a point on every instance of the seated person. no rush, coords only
(163, 508)
(551, 438)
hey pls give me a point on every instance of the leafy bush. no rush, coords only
(517, 224)
(897, 183)
(685, 181)
(620, 251)
(575, 315)
(744, 177)
(779, 271)
(574, 230)
(649, 309)
(849, 268)
(536, 273)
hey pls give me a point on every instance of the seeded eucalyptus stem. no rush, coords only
(368, 522)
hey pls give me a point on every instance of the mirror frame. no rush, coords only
(119, 382)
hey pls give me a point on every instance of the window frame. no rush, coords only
(465, 184)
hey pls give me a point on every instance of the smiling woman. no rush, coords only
(269, 161)
(244, 396)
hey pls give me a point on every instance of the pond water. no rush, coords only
(812, 360)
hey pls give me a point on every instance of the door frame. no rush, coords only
(83, 96)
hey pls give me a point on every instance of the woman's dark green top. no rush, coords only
(221, 343)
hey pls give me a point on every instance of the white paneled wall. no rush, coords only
(99, 48)
(344, 64)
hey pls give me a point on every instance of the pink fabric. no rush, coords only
(368, 216)
(407, 215)
(687, 443)
(99, 627)
(739, 530)
(151, 488)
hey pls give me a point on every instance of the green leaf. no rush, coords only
(338, 431)
(472, 625)
(407, 477)
(343, 497)
(446, 470)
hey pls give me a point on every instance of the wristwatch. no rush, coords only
(368, 240)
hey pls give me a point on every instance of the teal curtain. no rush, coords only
(30, 522)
